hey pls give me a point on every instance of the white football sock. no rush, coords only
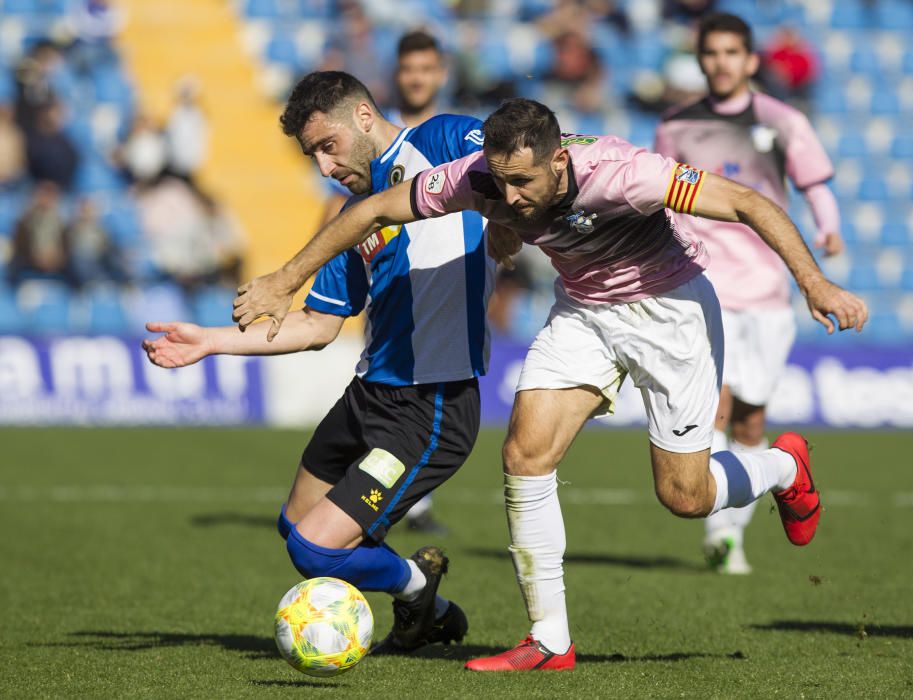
(720, 521)
(415, 584)
(740, 517)
(537, 546)
(745, 477)
(421, 506)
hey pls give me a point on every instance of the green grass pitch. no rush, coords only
(145, 563)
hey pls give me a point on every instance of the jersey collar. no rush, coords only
(572, 190)
(379, 164)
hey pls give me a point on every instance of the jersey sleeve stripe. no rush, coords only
(328, 300)
(695, 191)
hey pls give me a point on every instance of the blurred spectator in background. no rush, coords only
(187, 131)
(143, 155)
(578, 15)
(51, 154)
(680, 79)
(39, 244)
(39, 81)
(477, 87)
(12, 148)
(92, 255)
(687, 11)
(790, 67)
(353, 49)
(192, 241)
(420, 74)
(93, 25)
(576, 77)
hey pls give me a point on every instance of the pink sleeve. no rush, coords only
(824, 208)
(807, 162)
(650, 182)
(663, 142)
(445, 188)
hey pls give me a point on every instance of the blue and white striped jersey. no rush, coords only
(425, 285)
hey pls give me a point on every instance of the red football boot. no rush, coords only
(800, 504)
(528, 655)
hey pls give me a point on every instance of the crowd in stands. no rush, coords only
(102, 220)
(94, 195)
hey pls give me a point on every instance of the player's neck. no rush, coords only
(383, 135)
(734, 102)
(414, 117)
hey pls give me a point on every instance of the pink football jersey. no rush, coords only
(612, 237)
(759, 142)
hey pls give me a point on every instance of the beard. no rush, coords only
(361, 157)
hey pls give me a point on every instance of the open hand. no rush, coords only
(182, 345)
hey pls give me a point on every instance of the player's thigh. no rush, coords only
(307, 491)
(531, 450)
(416, 438)
(675, 358)
(327, 525)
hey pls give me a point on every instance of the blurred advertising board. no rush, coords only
(107, 380)
(845, 387)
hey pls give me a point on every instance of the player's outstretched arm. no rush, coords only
(271, 295)
(725, 200)
(186, 343)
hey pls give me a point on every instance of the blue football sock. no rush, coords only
(369, 566)
(283, 524)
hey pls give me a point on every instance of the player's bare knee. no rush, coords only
(520, 460)
(683, 501)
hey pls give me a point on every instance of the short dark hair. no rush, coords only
(321, 91)
(520, 123)
(724, 22)
(417, 41)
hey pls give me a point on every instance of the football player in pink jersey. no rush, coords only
(631, 299)
(758, 142)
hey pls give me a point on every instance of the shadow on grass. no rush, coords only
(859, 630)
(250, 646)
(630, 562)
(303, 683)
(465, 652)
(245, 519)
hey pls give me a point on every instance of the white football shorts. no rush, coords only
(671, 345)
(758, 342)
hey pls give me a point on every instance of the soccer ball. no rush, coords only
(323, 626)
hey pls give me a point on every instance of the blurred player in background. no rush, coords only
(759, 142)
(420, 75)
(410, 417)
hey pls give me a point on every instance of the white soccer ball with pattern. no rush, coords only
(324, 626)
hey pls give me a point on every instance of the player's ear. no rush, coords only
(364, 116)
(754, 62)
(560, 161)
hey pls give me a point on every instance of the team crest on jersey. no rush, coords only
(581, 222)
(376, 242)
(763, 138)
(397, 172)
(435, 183)
(685, 173)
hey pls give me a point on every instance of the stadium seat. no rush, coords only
(282, 49)
(212, 306)
(122, 224)
(864, 277)
(894, 14)
(902, 147)
(45, 306)
(850, 14)
(873, 189)
(852, 145)
(864, 60)
(106, 313)
(885, 101)
(10, 316)
(159, 302)
(20, 7)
